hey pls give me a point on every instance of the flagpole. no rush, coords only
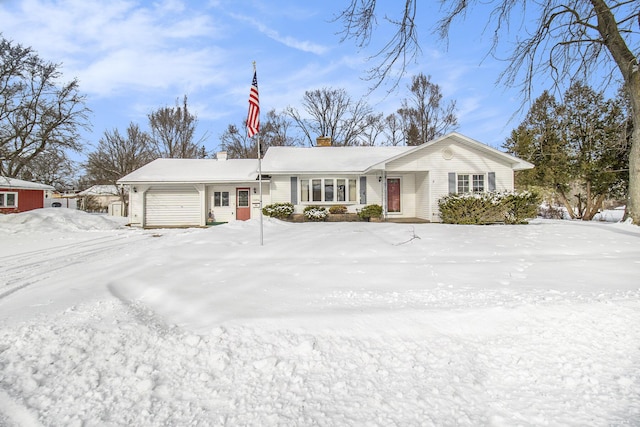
(253, 127)
(260, 184)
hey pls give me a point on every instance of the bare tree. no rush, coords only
(274, 131)
(38, 114)
(117, 156)
(374, 129)
(332, 113)
(393, 130)
(53, 167)
(424, 113)
(173, 131)
(237, 144)
(564, 39)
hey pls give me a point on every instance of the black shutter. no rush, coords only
(294, 190)
(492, 181)
(452, 182)
(363, 190)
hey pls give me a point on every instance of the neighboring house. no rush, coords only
(17, 195)
(192, 192)
(100, 198)
(406, 181)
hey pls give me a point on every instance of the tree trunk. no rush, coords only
(629, 68)
(593, 207)
(570, 210)
(633, 202)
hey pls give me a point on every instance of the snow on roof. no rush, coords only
(326, 159)
(194, 171)
(18, 184)
(100, 190)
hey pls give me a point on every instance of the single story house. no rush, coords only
(17, 195)
(406, 181)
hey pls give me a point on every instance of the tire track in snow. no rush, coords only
(17, 275)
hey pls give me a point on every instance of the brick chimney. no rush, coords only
(323, 141)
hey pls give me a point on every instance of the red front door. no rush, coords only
(243, 208)
(393, 195)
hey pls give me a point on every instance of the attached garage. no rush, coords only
(194, 192)
(168, 206)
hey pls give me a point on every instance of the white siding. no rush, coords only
(281, 189)
(175, 206)
(136, 205)
(222, 213)
(374, 190)
(423, 207)
(228, 213)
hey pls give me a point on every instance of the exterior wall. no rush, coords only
(228, 213)
(27, 200)
(423, 196)
(375, 190)
(136, 205)
(441, 159)
(281, 189)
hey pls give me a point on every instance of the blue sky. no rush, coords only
(134, 56)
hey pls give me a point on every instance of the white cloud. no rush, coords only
(303, 45)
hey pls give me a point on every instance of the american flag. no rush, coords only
(253, 120)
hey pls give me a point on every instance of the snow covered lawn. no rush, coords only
(326, 324)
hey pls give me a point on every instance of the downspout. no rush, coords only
(383, 182)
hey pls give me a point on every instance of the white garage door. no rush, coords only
(172, 207)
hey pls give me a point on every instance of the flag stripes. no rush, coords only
(253, 120)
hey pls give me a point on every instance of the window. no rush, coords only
(478, 183)
(328, 190)
(221, 198)
(316, 187)
(243, 199)
(342, 190)
(463, 184)
(8, 200)
(468, 183)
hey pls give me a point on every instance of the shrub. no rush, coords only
(488, 208)
(315, 213)
(338, 209)
(278, 210)
(370, 211)
(520, 207)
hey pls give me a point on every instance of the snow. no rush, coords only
(18, 184)
(326, 324)
(194, 171)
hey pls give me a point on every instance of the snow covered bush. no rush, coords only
(488, 208)
(278, 210)
(520, 206)
(315, 213)
(338, 209)
(370, 211)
